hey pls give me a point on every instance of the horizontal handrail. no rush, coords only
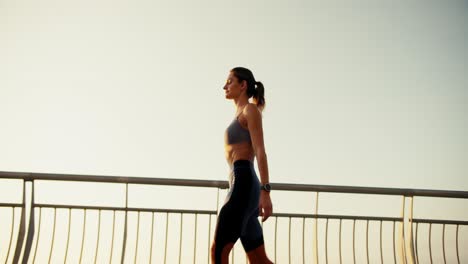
(30, 176)
(10, 205)
(128, 209)
(400, 238)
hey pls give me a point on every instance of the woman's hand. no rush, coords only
(265, 207)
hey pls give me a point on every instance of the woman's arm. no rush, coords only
(254, 123)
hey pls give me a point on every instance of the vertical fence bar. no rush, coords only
(209, 236)
(83, 235)
(339, 241)
(209, 229)
(430, 244)
(22, 227)
(68, 235)
(217, 201)
(124, 242)
(410, 232)
(276, 232)
(53, 235)
(401, 238)
(195, 240)
(416, 243)
(380, 243)
(289, 240)
(30, 236)
(180, 236)
(326, 241)
(354, 240)
(303, 240)
(98, 236)
(38, 235)
(413, 245)
(11, 233)
(367, 240)
(456, 242)
(443, 243)
(112, 237)
(137, 237)
(394, 243)
(151, 238)
(167, 234)
(316, 228)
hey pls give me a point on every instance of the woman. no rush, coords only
(247, 197)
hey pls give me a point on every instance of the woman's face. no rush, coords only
(233, 88)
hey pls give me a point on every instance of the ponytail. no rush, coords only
(259, 95)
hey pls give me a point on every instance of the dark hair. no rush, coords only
(254, 89)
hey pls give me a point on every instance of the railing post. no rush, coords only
(30, 236)
(124, 243)
(401, 238)
(19, 242)
(410, 232)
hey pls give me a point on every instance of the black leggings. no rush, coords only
(238, 217)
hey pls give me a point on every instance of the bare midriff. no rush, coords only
(239, 151)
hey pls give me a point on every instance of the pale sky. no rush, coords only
(360, 94)
(363, 94)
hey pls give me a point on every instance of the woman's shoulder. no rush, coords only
(251, 107)
(251, 110)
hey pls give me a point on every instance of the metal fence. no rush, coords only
(61, 232)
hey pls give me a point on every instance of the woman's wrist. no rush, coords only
(265, 187)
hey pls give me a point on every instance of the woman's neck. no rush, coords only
(240, 103)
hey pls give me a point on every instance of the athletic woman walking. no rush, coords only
(247, 197)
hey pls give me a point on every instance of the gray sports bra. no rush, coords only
(235, 133)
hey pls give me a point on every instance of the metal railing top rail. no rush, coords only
(30, 176)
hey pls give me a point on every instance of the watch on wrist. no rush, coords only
(266, 187)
